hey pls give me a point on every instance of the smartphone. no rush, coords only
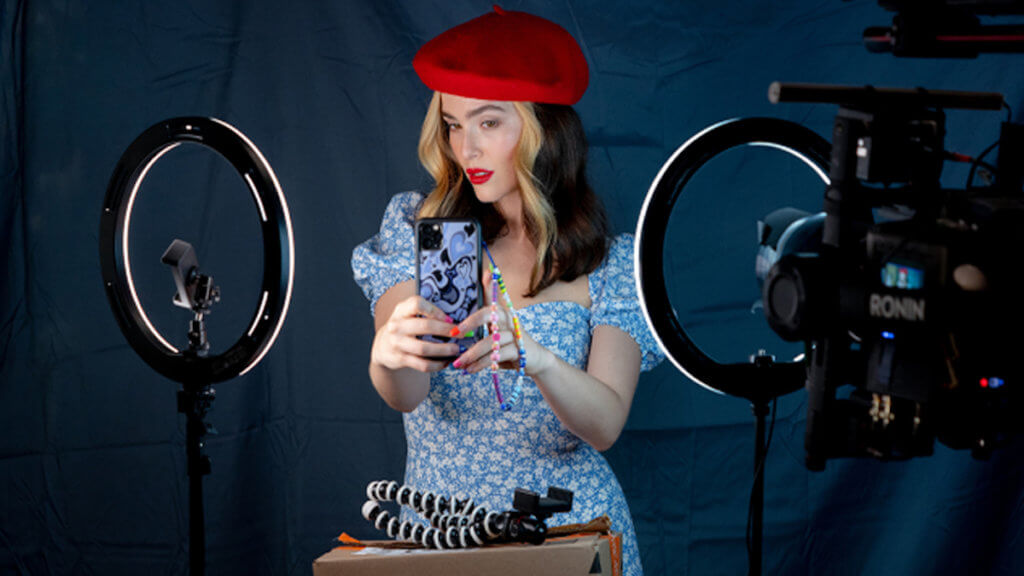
(448, 270)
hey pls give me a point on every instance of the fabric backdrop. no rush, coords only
(92, 461)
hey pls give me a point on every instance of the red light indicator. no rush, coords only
(984, 382)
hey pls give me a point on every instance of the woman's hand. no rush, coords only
(478, 357)
(396, 345)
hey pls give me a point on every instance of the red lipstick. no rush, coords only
(478, 176)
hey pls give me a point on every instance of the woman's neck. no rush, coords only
(511, 209)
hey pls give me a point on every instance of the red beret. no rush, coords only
(505, 55)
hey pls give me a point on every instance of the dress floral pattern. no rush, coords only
(461, 444)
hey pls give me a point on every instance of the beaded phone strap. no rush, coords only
(498, 284)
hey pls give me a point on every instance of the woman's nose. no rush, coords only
(470, 147)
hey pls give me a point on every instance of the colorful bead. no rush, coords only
(498, 285)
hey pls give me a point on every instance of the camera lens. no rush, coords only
(430, 237)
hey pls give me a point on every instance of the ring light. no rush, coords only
(278, 250)
(754, 381)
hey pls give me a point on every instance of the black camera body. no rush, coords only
(908, 306)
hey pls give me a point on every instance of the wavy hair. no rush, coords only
(563, 217)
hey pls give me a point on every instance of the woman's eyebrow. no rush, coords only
(476, 111)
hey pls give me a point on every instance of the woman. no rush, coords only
(504, 146)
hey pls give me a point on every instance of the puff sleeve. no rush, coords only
(615, 302)
(388, 257)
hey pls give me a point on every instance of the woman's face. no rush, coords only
(484, 135)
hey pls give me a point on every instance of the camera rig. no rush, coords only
(901, 290)
(905, 304)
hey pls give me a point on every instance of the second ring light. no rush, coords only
(753, 381)
(278, 250)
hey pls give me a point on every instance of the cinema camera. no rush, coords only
(909, 300)
(904, 292)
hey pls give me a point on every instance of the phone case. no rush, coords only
(448, 269)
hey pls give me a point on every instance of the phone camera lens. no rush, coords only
(430, 237)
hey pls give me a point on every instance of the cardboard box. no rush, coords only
(581, 555)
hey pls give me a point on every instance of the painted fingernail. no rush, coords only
(448, 319)
(454, 331)
(469, 334)
(457, 363)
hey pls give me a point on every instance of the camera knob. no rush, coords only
(793, 295)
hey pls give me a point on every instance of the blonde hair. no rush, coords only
(447, 198)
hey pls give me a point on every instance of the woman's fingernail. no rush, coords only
(457, 363)
(448, 319)
(454, 331)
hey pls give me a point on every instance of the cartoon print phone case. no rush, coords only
(448, 268)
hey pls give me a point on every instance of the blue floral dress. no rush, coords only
(460, 443)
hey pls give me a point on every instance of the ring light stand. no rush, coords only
(762, 379)
(193, 367)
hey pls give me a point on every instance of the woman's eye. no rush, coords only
(451, 126)
(489, 123)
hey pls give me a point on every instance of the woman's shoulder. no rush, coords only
(615, 273)
(404, 206)
(615, 299)
(388, 257)
(400, 216)
(619, 257)
(396, 227)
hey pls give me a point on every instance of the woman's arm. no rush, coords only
(401, 363)
(592, 404)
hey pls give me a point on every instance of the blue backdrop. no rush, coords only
(92, 465)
